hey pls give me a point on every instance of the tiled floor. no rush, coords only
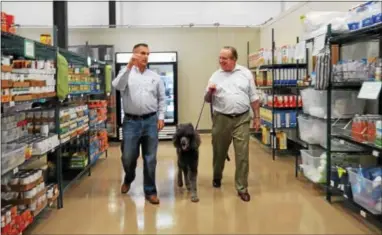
(280, 203)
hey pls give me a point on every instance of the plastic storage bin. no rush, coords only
(345, 104)
(314, 165)
(366, 193)
(12, 156)
(313, 130)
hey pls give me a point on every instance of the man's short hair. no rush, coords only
(233, 52)
(140, 45)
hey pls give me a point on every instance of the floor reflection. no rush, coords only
(280, 203)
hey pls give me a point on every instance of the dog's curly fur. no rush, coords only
(186, 140)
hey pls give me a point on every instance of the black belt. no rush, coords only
(139, 117)
(233, 115)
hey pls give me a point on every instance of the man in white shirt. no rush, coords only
(143, 97)
(232, 92)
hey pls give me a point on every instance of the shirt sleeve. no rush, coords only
(122, 79)
(253, 96)
(209, 82)
(161, 100)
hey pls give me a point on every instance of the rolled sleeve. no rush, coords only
(253, 96)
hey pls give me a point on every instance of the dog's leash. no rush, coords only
(200, 115)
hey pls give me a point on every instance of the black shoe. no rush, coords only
(216, 183)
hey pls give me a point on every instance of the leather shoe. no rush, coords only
(217, 183)
(125, 188)
(244, 196)
(153, 199)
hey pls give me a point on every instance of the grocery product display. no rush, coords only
(280, 138)
(282, 77)
(51, 109)
(98, 132)
(343, 135)
(112, 116)
(7, 22)
(362, 17)
(81, 81)
(26, 80)
(285, 54)
(279, 74)
(279, 118)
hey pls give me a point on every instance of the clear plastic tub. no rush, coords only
(314, 164)
(12, 156)
(366, 193)
(311, 130)
(345, 103)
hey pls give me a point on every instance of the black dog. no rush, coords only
(187, 141)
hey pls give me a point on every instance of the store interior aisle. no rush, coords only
(280, 203)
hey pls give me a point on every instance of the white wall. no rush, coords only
(198, 52)
(288, 25)
(143, 13)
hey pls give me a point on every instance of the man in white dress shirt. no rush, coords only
(232, 92)
(143, 97)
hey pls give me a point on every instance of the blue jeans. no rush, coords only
(142, 133)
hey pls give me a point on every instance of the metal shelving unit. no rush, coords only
(14, 45)
(282, 89)
(362, 35)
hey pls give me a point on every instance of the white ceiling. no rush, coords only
(143, 13)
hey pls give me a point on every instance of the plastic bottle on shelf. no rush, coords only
(378, 134)
(355, 130)
(378, 70)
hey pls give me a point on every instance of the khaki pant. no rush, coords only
(224, 130)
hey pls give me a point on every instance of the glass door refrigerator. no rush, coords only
(166, 65)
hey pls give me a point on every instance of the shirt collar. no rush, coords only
(237, 68)
(137, 69)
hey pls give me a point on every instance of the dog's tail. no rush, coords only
(227, 158)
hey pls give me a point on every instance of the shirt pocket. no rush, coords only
(241, 85)
(150, 87)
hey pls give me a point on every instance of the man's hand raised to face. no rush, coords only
(134, 60)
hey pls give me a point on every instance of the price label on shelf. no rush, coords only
(342, 142)
(29, 51)
(375, 153)
(370, 90)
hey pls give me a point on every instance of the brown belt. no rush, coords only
(233, 115)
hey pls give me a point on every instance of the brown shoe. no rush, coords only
(125, 188)
(153, 199)
(244, 196)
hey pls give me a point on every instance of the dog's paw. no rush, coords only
(194, 198)
(180, 183)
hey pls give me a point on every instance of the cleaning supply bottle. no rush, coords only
(378, 135)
